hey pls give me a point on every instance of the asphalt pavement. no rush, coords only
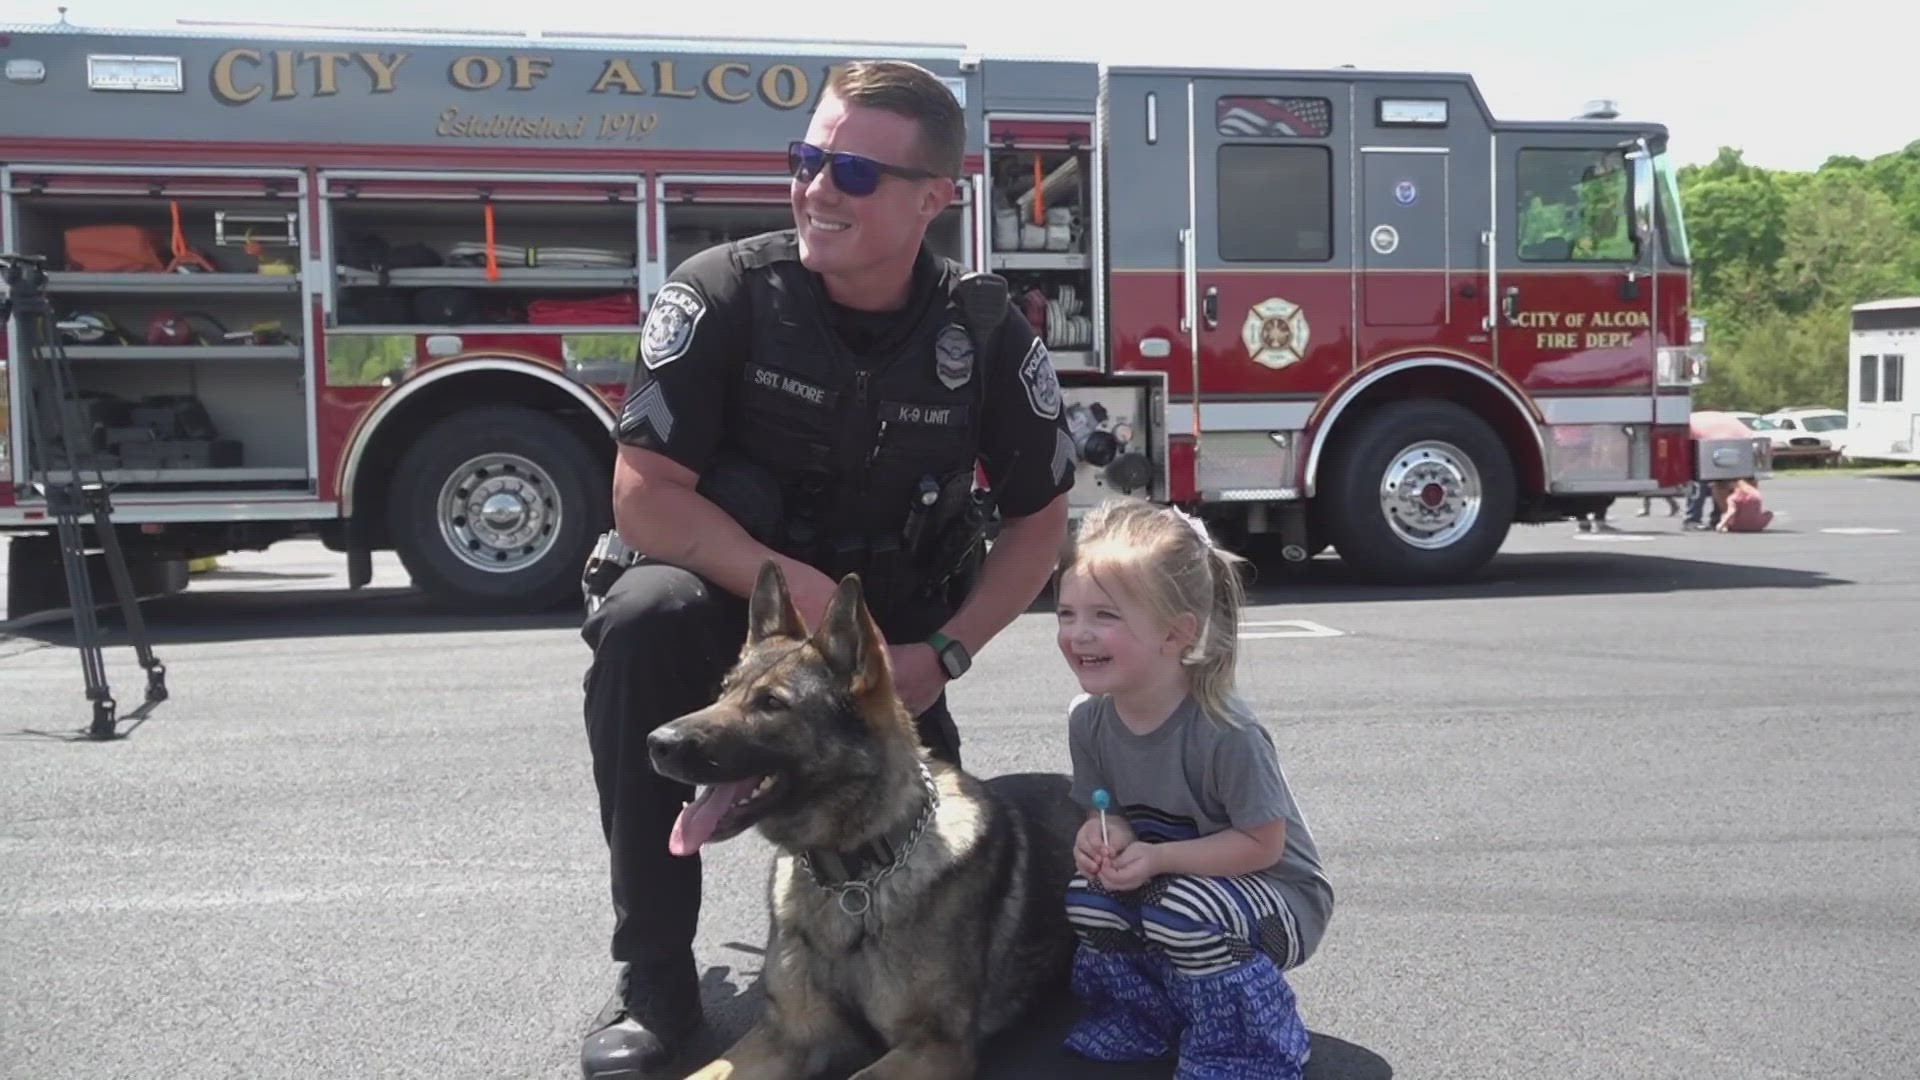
(1639, 804)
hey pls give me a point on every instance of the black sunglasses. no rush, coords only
(857, 176)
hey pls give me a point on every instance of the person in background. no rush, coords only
(1739, 504)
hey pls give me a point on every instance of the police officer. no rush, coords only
(818, 396)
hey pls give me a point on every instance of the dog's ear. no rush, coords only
(771, 611)
(850, 640)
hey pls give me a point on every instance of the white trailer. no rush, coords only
(1883, 422)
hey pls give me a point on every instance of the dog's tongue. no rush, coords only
(700, 817)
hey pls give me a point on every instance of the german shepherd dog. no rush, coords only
(915, 910)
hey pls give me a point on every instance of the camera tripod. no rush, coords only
(50, 408)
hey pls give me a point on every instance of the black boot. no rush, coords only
(650, 1018)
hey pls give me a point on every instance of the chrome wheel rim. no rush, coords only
(1431, 494)
(499, 513)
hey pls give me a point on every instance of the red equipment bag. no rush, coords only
(618, 309)
(113, 249)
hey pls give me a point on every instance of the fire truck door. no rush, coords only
(1408, 265)
(1272, 265)
(1574, 305)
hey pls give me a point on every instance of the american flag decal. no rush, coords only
(649, 406)
(1268, 117)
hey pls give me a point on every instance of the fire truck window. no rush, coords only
(1572, 206)
(1276, 203)
(1869, 378)
(1274, 117)
(1892, 372)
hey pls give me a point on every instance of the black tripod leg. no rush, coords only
(130, 611)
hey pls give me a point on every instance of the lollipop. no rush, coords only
(1101, 801)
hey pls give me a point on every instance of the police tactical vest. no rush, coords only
(852, 441)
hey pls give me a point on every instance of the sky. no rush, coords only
(1788, 84)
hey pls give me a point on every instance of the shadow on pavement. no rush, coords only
(1031, 1053)
(215, 615)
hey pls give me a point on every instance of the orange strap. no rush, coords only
(493, 265)
(1039, 193)
(183, 255)
(179, 235)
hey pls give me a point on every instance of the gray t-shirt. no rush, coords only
(1232, 779)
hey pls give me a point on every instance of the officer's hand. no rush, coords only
(917, 676)
(811, 590)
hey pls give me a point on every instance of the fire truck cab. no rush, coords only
(385, 289)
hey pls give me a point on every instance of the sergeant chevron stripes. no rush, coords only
(649, 406)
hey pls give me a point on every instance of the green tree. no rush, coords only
(1779, 259)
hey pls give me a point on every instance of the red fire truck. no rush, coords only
(384, 289)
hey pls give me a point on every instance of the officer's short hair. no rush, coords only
(913, 92)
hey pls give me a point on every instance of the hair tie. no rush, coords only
(1199, 528)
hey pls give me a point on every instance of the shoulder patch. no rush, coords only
(1043, 385)
(670, 324)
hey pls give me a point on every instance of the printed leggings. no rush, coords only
(1203, 925)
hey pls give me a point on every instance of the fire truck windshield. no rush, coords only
(1673, 227)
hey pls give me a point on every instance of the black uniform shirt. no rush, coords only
(692, 356)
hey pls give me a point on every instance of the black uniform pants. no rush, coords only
(661, 642)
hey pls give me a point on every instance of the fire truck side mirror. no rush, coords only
(1642, 192)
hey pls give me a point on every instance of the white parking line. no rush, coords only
(1860, 530)
(1613, 538)
(1297, 628)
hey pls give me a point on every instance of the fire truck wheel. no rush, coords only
(1417, 492)
(494, 510)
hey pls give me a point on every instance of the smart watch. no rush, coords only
(953, 656)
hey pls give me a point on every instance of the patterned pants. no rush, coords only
(1193, 964)
(1204, 925)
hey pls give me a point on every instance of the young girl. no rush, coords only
(1204, 884)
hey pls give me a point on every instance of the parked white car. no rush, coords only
(1828, 424)
(1789, 443)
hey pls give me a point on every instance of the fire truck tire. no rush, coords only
(494, 510)
(1417, 492)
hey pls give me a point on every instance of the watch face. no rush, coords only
(952, 661)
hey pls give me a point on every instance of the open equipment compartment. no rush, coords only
(1040, 230)
(179, 295)
(492, 251)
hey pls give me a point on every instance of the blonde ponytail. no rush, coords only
(1217, 647)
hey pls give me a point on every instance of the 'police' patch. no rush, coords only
(670, 324)
(1043, 384)
(908, 414)
(953, 357)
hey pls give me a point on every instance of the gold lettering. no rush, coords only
(796, 89)
(382, 69)
(325, 68)
(717, 81)
(528, 70)
(283, 75)
(1556, 341)
(833, 72)
(461, 72)
(224, 87)
(455, 124)
(447, 119)
(1613, 339)
(620, 72)
(1574, 319)
(663, 81)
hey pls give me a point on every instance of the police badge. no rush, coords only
(953, 357)
(670, 322)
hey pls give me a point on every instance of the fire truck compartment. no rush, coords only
(183, 328)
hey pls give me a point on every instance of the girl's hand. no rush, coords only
(1088, 856)
(1132, 867)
